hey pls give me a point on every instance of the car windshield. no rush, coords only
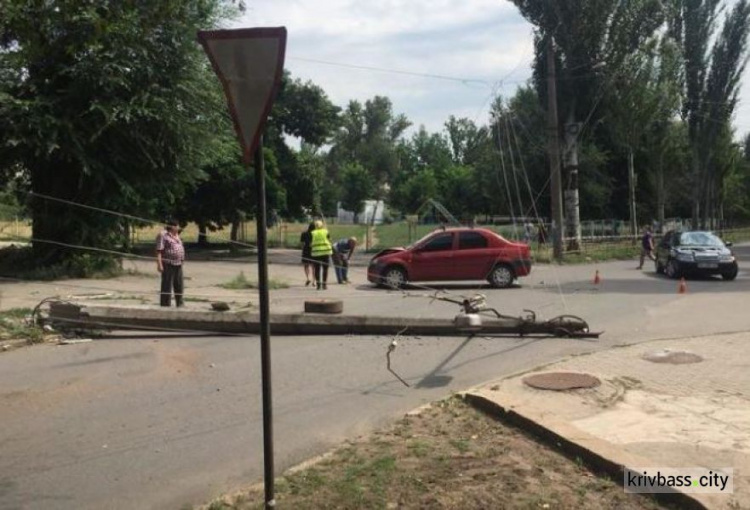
(700, 239)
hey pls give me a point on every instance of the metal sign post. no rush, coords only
(265, 325)
(249, 63)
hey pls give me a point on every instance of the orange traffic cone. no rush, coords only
(597, 279)
(682, 289)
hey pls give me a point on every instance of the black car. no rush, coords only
(695, 252)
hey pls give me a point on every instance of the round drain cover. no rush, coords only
(560, 381)
(672, 357)
(324, 306)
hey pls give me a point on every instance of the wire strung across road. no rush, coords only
(146, 220)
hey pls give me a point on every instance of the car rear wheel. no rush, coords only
(501, 277)
(394, 277)
(672, 270)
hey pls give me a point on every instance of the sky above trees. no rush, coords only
(483, 40)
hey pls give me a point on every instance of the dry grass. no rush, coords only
(449, 456)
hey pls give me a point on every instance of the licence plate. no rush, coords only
(706, 265)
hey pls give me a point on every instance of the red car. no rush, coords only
(452, 254)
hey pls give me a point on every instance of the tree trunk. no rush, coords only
(202, 235)
(705, 191)
(126, 233)
(697, 196)
(631, 194)
(234, 231)
(660, 196)
(63, 232)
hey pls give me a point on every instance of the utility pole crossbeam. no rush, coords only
(554, 153)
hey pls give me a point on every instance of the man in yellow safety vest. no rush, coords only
(320, 251)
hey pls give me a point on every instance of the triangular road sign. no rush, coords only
(249, 63)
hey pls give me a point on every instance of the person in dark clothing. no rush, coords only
(647, 246)
(305, 240)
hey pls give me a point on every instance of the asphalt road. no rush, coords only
(147, 421)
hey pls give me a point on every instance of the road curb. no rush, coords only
(595, 456)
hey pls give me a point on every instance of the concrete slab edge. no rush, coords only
(597, 461)
(537, 368)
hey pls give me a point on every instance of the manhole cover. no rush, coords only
(673, 357)
(559, 381)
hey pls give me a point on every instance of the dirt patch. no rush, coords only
(448, 456)
(30, 401)
(176, 362)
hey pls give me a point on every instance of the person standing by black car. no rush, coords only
(647, 246)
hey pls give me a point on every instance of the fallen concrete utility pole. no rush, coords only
(79, 316)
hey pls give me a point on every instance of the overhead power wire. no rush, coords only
(394, 71)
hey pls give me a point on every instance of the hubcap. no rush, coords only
(501, 276)
(394, 278)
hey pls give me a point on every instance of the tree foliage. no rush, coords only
(104, 104)
(113, 104)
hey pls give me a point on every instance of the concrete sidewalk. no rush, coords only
(646, 413)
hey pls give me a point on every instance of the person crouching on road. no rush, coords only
(321, 251)
(342, 252)
(170, 255)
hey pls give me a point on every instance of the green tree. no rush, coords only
(302, 112)
(411, 193)
(369, 135)
(356, 183)
(641, 103)
(712, 79)
(224, 194)
(458, 191)
(104, 103)
(586, 34)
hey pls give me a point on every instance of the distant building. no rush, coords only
(365, 216)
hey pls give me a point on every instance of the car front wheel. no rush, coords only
(673, 269)
(501, 277)
(394, 277)
(730, 275)
(659, 267)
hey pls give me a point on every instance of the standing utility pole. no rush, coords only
(572, 205)
(554, 153)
